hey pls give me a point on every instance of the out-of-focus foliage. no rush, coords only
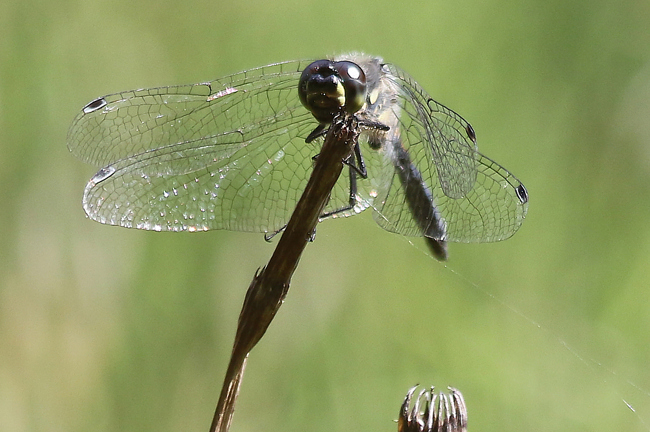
(108, 329)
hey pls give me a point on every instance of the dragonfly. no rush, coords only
(235, 153)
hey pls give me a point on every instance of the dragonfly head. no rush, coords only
(327, 87)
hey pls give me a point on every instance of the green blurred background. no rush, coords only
(109, 329)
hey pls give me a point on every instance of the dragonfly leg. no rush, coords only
(320, 130)
(352, 197)
(269, 236)
(360, 167)
(316, 133)
(371, 124)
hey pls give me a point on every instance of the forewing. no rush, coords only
(226, 154)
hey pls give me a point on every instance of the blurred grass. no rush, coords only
(108, 329)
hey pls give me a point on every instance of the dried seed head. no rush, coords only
(433, 412)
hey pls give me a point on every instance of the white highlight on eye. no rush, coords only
(354, 73)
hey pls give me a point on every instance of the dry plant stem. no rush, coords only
(270, 285)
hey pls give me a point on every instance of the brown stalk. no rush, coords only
(269, 286)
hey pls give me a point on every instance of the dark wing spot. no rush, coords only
(95, 105)
(470, 132)
(522, 193)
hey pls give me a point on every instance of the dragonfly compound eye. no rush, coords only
(327, 87)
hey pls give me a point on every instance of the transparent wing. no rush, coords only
(478, 200)
(451, 138)
(228, 154)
